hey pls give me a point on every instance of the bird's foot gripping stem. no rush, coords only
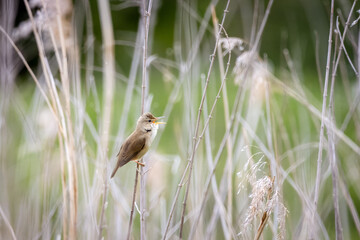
(139, 163)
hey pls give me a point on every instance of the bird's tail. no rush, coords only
(114, 171)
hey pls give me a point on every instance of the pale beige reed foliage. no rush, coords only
(47, 20)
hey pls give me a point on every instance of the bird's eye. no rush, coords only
(149, 120)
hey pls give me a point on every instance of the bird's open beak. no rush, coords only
(158, 119)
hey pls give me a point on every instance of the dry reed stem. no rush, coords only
(236, 127)
(254, 21)
(217, 195)
(227, 118)
(71, 144)
(342, 46)
(184, 68)
(128, 97)
(331, 148)
(146, 15)
(235, 110)
(321, 135)
(64, 137)
(196, 44)
(317, 60)
(7, 223)
(225, 139)
(331, 140)
(32, 74)
(266, 213)
(334, 168)
(351, 204)
(196, 141)
(133, 202)
(317, 113)
(189, 62)
(108, 92)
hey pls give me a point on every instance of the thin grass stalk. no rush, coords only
(69, 140)
(262, 225)
(72, 189)
(185, 67)
(334, 70)
(208, 181)
(212, 223)
(351, 204)
(62, 125)
(222, 145)
(71, 144)
(317, 60)
(334, 171)
(254, 22)
(312, 232)
(262, 26)
(196, 44)
(108, 92)
(63, 185)
(219, 201)
(7, 223)
(133, 203)
(131, 82)
(147, 13)
(195, 139)
(317, 113)
(273, 163)
(129, 90)
(53, 111)
(236, 128)
(331, 141)
(235, 110)
(32, 74)
(229, 162)
(89, 40)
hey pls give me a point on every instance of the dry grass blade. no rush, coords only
(67, 102)
(227, 120)
(64, 121)
(3, 216)
(323, 113)
(147, 6)
(108, 92)
(331, 140)
(195, 138)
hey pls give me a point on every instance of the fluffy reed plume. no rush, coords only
(231, 44)
(252, 68)
(51, 13)
(264, 199)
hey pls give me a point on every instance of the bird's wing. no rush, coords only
(119, 151)
(128, 151)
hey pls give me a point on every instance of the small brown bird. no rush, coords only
(138, 143)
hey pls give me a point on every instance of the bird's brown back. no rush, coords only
(131, 148)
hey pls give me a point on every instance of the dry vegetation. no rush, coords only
(246, 153)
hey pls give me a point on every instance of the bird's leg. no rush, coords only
(142, 164)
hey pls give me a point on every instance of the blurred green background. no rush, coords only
(279, 110)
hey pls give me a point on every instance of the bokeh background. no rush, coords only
(277, 158)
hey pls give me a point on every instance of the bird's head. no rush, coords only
(147, 122)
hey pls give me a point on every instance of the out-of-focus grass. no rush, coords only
(277, 135)
(32, 159)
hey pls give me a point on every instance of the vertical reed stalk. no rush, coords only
(196, 140)
(108, 92)
(146, 16)
(229, 160)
